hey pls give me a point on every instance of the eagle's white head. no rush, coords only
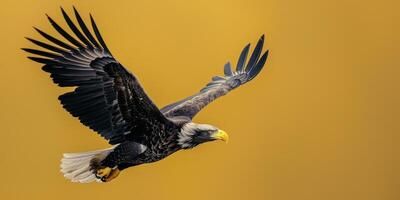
(193, 134)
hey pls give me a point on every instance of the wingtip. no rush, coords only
(228, 64)
(38, 30)
(267, 53)
(28, 38)
(256, 54)
(62, 9)
(91, 18)
(261, 40)
(75, 10)
(49, 18)
(32, 58)
(228, 69)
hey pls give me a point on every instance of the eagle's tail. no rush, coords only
(79, 167)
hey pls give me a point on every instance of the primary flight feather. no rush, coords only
(110, 100)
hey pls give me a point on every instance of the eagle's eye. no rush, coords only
(202, 136)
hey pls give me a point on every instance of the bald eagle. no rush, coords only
(110, 100)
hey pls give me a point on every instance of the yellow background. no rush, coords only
(320, 122)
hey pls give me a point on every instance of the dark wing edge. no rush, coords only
(221, 85)
(107, 98)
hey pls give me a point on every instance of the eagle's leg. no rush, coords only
(126, 152)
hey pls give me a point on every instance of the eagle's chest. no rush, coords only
(150, 156)
(161, 147)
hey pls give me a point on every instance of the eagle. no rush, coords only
(109, 99)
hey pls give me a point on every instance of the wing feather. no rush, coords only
(75, 29)
(41, 53)
(256, 53)
(54, 40)
(242, 58)
(258, 67)
(85, 29)
(47, 46)
(64, 33)
(228, 69)
(98, 35)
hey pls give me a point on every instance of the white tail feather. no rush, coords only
(77, 167)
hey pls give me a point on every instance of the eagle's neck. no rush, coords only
(185, 136)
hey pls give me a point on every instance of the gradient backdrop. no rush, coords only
(320, 122)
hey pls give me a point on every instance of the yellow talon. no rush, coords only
(106, 174)
(114, 173)
(103, 172)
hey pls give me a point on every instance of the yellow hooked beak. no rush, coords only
(221, 135)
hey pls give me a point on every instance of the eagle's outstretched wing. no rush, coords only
(107, 98)
(220, 86)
